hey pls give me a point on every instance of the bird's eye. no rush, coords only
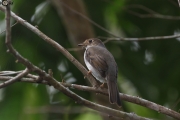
(90, 41)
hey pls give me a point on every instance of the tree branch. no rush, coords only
(54, 82)
(140, 39)
(55, 45)
(125, 97)
(58, 86)
(14, 79)
(10, 48)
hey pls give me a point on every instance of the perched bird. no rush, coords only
(102, 65)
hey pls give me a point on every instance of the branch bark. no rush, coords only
(10, 48)
(125, 97)
(141, 39)
(58, 86)
(55, 45)
(54, 83)
(14, 79)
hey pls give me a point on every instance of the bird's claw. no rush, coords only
(88, 73)
(102, 85)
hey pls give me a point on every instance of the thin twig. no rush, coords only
(150, 13)
(53, 82)
(11, 27)
(141, 39)
(8, 44)
(125, 97)
(91, 21)
(58, 85)
(176, 103)
(107, 39)
(55, 45)
(14, 79)
(5, 73)
(77, 98)
(8, 24)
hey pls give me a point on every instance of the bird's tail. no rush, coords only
(113, 92)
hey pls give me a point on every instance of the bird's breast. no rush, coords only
(94, 72)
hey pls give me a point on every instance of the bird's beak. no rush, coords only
(81, 44)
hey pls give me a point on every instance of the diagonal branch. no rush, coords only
(53, 82)
(128, 98)
(14, 79)
(11, 26)
(55, 45)
(58, 85)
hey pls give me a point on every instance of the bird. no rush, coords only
(102, 66)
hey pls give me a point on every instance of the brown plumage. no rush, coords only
(102, 65)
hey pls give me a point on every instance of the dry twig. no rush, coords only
(50, 79)
(125, 97)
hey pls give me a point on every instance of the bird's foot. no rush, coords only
(102, 85)
(88, 73)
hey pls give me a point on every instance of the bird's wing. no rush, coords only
(97, 61)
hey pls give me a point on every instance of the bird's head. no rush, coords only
(91, 42)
